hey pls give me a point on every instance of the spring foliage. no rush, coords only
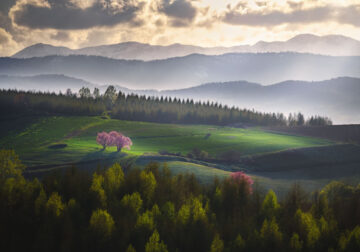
(102, 223)
(150, 210)
(113, 138)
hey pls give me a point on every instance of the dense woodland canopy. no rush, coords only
(141, 108)
(117, 209)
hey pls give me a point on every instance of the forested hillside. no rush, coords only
(150, 210)
(336, 98)
(141, 108)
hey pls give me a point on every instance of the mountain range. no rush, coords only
(307, 70)
(188, 71)
(43, 83)
(334, 45)
(52, 83)
(337, 98)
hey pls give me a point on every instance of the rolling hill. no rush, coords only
(334, 45)
(276, 160)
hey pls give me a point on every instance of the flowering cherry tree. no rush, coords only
(241, 177)
(119, 140)
(113, 138)
(103, 139)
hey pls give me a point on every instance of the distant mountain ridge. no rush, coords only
(44, 83)
(337, 98)
(49, 83)
(188, 71)
(334, 45)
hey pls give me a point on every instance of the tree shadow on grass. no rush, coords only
(103, 154)
(104, 158)
(57, 146)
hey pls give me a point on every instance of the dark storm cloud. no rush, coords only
(63, 14)
(348, 15)
(5, 21)
(5, 5)
(182, 10)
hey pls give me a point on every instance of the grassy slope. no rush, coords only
(31, 142)
(79, 134)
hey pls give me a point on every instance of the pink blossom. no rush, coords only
(114, 138)
(103, 139)
(241, 177)
(113, 135)
(121, 141)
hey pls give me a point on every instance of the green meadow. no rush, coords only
(79, 133)
(274, 158)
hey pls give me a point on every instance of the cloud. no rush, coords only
(5, 21)
(4, 37)
(181, 12)
(295, 5)
(60, 36)
(179, 9)
(261, 3)
(342, 15)
(66, 14)
(79, 23)
(5, 5)
(7, 44)
(350, 16)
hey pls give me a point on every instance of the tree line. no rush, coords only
(144, 108)
(150, 210)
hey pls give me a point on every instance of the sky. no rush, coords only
(81, 23)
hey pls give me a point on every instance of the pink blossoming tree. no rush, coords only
(241, 177)
(103, 139)
(113, 138)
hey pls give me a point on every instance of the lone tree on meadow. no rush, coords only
(113, 138)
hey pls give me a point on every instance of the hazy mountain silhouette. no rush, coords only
(335, 45)
(44, 83)
(188, 71)
(337, 98)
(42, 50)
(50, 83)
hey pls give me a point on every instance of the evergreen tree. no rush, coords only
(295, 243)
(54, 204)
(154, 244)
(270, 205)
(102, 223)
(217, 245)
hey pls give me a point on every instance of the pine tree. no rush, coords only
(154, 244)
